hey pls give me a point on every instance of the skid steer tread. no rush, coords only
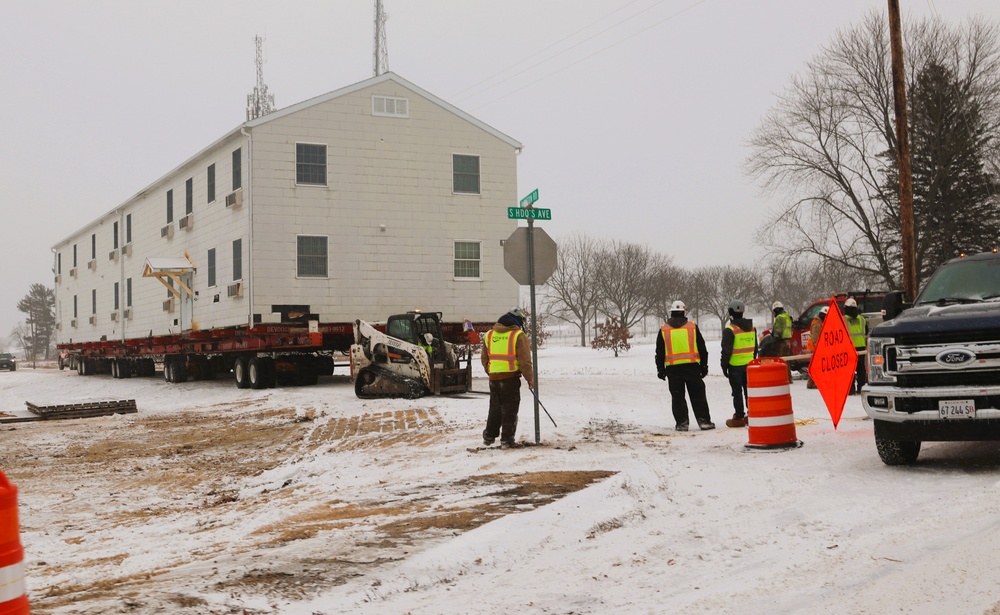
(375, 383)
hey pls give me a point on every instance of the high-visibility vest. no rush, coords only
(856, 327)
(814, 327)
(679, 344)
(503, 356)
(743, 343)
(786, 328)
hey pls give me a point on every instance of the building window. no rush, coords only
(114, 239)
(170, 206)
(211, 267)
(237, 259)
(74, 256)
(117, 302)
(189, 196)
(467, 259)
(75, 304)
(390, 106)
(238, 169)
(310, 164)
(93, 301)
(128, 228)
(312, 257)
(466, 173)
(170, 285)
(93, 246)
(211, 183)
(58, 263)
(128, 292)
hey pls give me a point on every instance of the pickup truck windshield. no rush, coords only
(963, 281)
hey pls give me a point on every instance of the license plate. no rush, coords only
(957, 408)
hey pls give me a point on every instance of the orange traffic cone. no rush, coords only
(13, 593)
(770, 422)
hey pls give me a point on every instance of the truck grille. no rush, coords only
(925, 365)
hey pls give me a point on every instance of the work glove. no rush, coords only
(661, 374)
(725, 371)
(704, 371)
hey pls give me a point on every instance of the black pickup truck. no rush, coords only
(934, 367)
(7, 361)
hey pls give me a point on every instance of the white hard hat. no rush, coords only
(825, 309)
(428, 337)
(678, 306)
(850, 302)
(776, 305)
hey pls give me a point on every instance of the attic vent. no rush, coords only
(390, 106)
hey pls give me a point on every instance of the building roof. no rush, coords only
(293, 109)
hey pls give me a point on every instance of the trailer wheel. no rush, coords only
(240, 373)
(168, 368)
(124, 368)
(257, 373)
(114, 368)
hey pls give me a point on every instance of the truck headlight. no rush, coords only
(877, 360)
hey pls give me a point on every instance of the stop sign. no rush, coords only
(515, 255)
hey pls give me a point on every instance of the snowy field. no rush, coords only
(308, 501)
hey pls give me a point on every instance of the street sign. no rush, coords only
(528, 213)
(531, 198)
(515, 256)
(833, 366)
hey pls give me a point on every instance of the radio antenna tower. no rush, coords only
(381, 53)
(260, 102)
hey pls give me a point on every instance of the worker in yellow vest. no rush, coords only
(506, 357)
(815, 328)
(739, 347)
(857, 326)
(781, 331)
(682, 360)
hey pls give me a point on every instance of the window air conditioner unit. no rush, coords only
(186, 223)
(58, 279)
(114, 316)
(127, 249)
(168, 305)
(113, 255)
(167, 231)
(93, 320)
(92, 265)
(234, 199)
(127, 314)
(235, 289)
(72, 323)
(72, 272)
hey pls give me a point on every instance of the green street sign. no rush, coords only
(528, 213)
(531, 198)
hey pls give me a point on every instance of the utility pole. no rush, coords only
(381, 59)
(903, 155)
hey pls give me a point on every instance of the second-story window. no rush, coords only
(310, 164)
(211, 183)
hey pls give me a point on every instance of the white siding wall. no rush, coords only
(389, 171)
(214, 226)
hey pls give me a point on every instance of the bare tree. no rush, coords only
(723, 284)
(825, 143)
(667, 283)
(20, 337)
(572, 288)
(622, 276)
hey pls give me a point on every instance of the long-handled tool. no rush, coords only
(543, 407)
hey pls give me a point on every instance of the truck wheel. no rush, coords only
(168, 370)
(270, 380)
(257, 373)
(240, 373)
(124, 368)
(114, 368)
(896, 452)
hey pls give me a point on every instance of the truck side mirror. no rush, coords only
(892, 304)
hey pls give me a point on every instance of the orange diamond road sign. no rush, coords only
(834, 363)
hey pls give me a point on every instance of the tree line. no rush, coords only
(34, 335)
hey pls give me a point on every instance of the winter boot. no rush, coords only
(736, 421)
(682, 427)
(487, 441)
(705, 425)
(509, 444)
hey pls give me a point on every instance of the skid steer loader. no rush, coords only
(407, 357)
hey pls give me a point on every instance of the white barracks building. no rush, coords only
(371, 200)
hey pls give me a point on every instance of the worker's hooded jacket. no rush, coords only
(661, 351)
(522, 353)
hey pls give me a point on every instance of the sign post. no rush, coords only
(833, 364)
(514, 264)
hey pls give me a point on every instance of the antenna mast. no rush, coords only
(260, 102)
(381, 53)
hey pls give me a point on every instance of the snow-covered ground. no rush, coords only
(682, 523)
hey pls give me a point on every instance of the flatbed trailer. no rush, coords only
(260, 357)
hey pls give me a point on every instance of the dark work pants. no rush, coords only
(505, 399)
(861, 376)
(738, 382)
(687, 375)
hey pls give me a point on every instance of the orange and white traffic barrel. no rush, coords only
(770, 422)
(13, 592)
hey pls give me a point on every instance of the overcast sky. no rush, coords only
(634, 114)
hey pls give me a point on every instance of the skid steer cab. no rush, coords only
(407, 357)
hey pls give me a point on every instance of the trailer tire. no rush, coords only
(257, 373)
(114, 368)
(240, 373)
(270, 378)
(124, 368)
